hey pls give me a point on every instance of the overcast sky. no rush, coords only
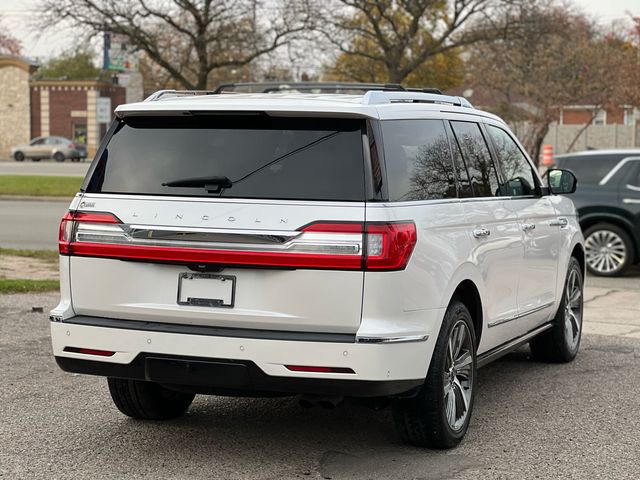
(16, 15)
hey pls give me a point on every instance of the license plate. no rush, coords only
(206, 290)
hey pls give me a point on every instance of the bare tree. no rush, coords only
(551, 58)
(399, 36)
(8, 44)
(189, 39)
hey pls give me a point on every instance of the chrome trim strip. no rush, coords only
(520, 315)
(616, 168)
(631, 200)
(291, 242)
(409, 338)
(142, 232)
(505, 348)
(633, 187)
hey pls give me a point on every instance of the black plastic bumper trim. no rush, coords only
(231, 377)
(211, 331)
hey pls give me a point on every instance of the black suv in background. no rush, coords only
(608, 203)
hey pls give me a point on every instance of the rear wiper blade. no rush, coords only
(211, 184)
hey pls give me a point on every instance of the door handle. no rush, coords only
(527, 227)
(560, 222)
(481, 232)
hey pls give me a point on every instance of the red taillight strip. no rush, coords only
(305, 368)
(224, 257)
(89, 351)
(386, 246)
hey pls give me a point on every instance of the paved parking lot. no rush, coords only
(531, 420)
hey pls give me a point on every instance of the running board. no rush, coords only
(505, 348)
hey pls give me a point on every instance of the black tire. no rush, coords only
(18, 157)
(614, 231)
(58, 157)
(555, 345)
(422, 419)
(148, 400)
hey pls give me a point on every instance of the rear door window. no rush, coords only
(418, 160)
(261, 156)
(475, 153)
(518, 173)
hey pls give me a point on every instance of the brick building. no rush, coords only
(15, 104)
(67, 108)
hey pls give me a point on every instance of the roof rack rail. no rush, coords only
(375, 97)
(177, 93)
(319, 87)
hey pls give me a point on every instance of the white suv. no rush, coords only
(376, 245)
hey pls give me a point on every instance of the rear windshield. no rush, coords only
(260, 156)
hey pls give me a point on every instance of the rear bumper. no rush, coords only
(230, 377)
(234, 365)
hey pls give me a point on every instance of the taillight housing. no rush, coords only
(375, 246)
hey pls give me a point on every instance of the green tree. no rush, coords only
(76, 65)
(442, 70)
(405, 40)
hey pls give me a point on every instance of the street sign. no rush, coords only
(103, 110)
(119, 54)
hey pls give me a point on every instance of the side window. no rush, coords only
(39, 141)
(418, 160)
(477, 159)
(518, 174)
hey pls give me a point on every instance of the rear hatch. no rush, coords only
(242, 221)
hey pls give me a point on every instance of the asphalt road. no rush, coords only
(44, 167)
(31, 223)
(531, 420)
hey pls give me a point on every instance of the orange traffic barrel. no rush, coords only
(547, 155)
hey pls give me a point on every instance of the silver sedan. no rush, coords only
(58, 148)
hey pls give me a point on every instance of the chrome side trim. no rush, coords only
(520, 315)
(409, 338)
(505, 348)
(631, 200)
(633, 187)
(616, 168)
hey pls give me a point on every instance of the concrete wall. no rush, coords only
(595, 136)
(14, 108)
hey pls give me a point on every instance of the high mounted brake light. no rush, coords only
(319, 245)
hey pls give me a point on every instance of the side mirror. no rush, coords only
(561, 182)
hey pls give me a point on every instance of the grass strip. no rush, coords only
(26, 286)
(39, 185)
(47, 255)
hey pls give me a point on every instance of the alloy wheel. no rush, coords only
(606, 251)
(573, 308)
(458, 376)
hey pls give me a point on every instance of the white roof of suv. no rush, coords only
(373, 104)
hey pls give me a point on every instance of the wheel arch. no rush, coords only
(467, 292)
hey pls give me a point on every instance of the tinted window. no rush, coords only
(39, 141)
(418, 160)
(518, 175)
(589, 169)
(464, 183)
(477, 159)
(264, 157)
